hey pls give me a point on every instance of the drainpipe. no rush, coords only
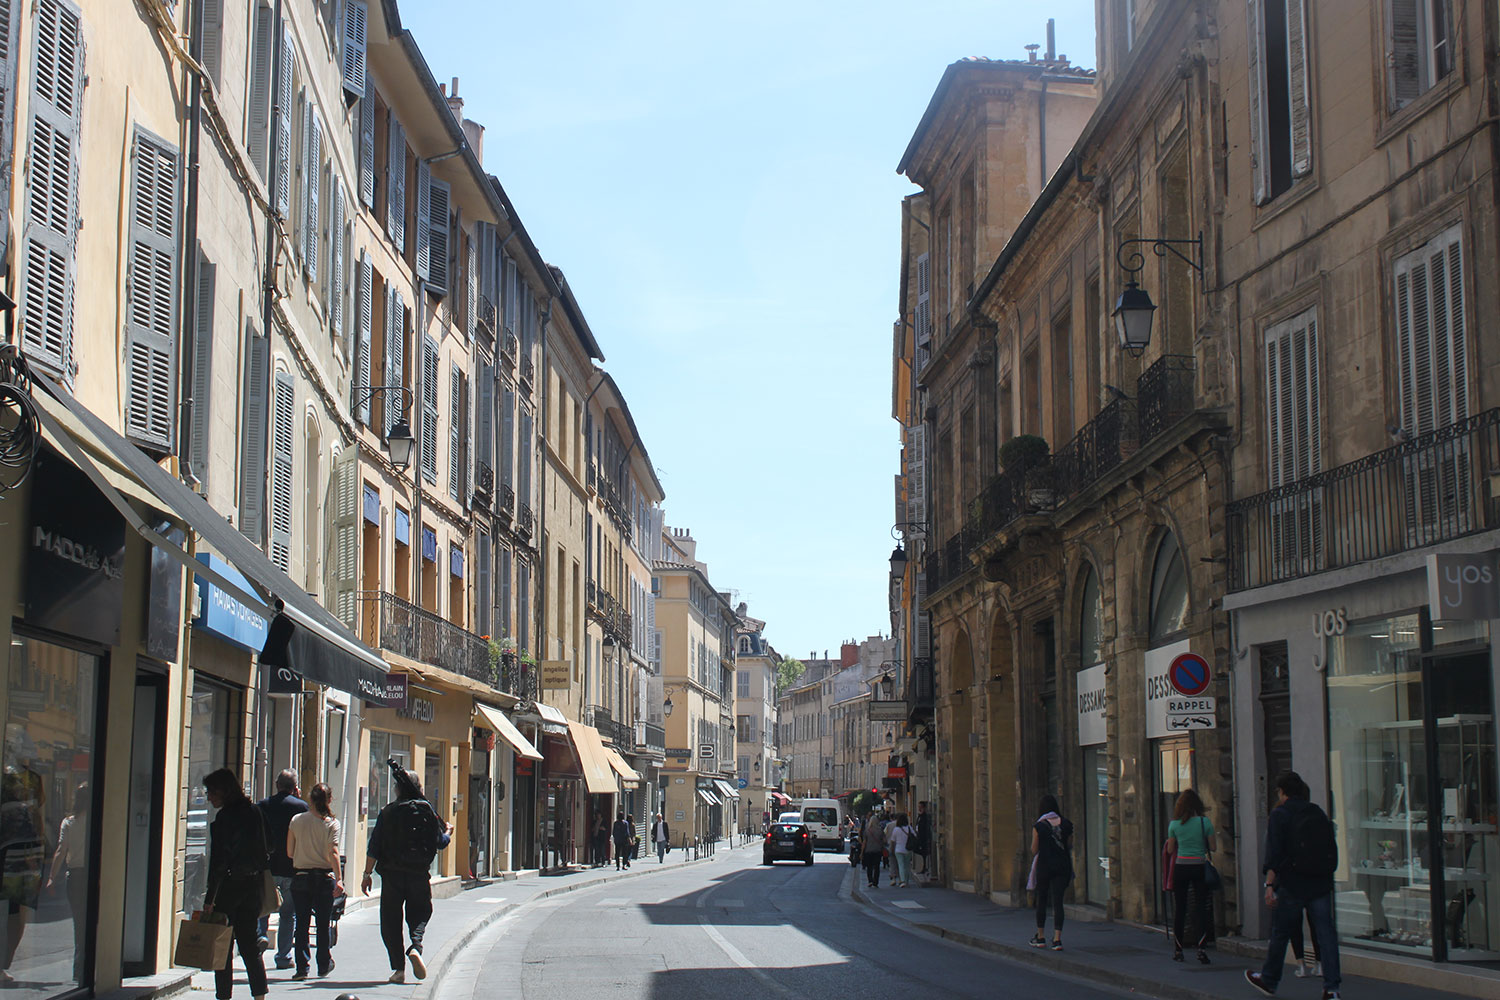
(188, 348)
(539, 601)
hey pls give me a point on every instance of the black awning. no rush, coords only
(304, 637)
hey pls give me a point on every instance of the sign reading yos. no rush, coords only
(1188, 674)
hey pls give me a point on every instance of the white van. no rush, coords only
(825, 821)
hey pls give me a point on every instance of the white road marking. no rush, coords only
(907, 904)
(613, 901)
(738, 958)
(492, 899)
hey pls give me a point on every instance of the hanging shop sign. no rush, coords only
(225, 615)
(75, 554)
(1158, 689)
(393, 694)
(556, 674)
(1091, 706)
(1463, 587)
(679, 752)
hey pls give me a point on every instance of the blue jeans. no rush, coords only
(286, 921)
(1286, 918)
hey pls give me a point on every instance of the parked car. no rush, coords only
(788, 841)
(789, 817)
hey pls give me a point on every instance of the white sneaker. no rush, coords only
(417, 965)
(399, 976)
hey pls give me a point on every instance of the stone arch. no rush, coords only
(962, 859)
(1006, 842)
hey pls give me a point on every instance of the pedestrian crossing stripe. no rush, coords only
(907, 904)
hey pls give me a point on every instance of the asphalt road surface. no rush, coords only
(727, 929)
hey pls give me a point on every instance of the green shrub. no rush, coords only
(1024, 452)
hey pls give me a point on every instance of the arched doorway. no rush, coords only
(1005, 811)
(961, 838)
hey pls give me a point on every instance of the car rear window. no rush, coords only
(787, 829)
(821, 814)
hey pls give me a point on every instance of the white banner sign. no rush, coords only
(1091, 706)
(1159, 690)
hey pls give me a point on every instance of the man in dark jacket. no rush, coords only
(278, 810)
(407, 835)
(924, 835)
(1301, 855)
(622, 835)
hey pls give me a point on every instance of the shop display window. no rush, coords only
(1412, 788)
(212, 729)
(1096, 822)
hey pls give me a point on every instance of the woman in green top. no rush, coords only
(1190, 840)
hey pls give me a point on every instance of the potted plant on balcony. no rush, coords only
(1028, 457)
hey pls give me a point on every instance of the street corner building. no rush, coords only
(1199, 452)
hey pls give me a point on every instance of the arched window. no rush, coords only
(1169, 591)
(1090, 622)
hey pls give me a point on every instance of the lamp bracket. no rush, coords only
(901, 529)
(369, 392)
(1135, 261)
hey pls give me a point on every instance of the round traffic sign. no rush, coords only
(1188, 674)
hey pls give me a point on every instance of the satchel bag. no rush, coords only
(202, 944)
(1212, 880)
(270, 896)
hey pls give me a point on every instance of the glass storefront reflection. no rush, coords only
(46, 854)
(209, 740)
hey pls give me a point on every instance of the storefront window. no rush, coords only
(383, 747)
(46, 855)
(434, 770)
(1169, 592)
(1414, 799)
(209, 740)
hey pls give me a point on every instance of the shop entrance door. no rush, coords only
(1173, 758)
(148, 762)
(479, 814)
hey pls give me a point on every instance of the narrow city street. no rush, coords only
(730, 928)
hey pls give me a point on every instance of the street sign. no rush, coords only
(1191, 706)
(888, 711)
(743, 783)
(706, 750)
(1192, 720)
(1188, 674)
(556, 674)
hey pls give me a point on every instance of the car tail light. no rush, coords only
(804, 834)
(768, 835)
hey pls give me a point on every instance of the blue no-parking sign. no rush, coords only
(1188, 674)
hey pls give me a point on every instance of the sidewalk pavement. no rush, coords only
(361, 964)
(1126, 955)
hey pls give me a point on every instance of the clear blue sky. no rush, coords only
(718, 182)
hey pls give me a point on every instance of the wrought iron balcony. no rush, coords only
(414, 632)
(524, 521)
(528, 372)
(506, 503)
(920, 685)
(1164, 394)
(518, 677)
(650, 736)
(508, 345)
(1098, 448)
(487, 315)
(484, 485)
(1431, 489)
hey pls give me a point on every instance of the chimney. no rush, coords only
(1051, 46)
(456, 103)
(1031, 51)
(849, 654)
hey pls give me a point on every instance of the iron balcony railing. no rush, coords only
(506, 503)
(413, 632)
(509, 346)
(1430, 489)
(920, 684)
(1164, 394)
(487, 314)
(528, 371)
(524, 521)
(1098, 448)
(651, 736)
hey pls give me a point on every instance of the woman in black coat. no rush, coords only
(237, 859)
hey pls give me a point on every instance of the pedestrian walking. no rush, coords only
(1051, 869)
(601, 842)
(238, 856)
(661, 833)
(317, 877)
(902, 839)
(278, 809)
(1190, 840)
(72, 862)
(1306, 954)
(924, 836)
(408, 834)
(1301, 855)
(872, 848)
(623, 835)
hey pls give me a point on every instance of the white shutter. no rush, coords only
(900, 507)
(151, 294)
(1430, 335)
(283, 425)
(356, 16)
(212, 14)
(512, 295)
(51, 227)
(438, 249)
(916, 474)
(485, 430)
(395, 173)
(455, 431)
(367, 144)
(253, 429)
(312, 169)
(336, 287)
(283, 113)
(363, 306)
(489, 292)
(1260, 153)
(343, 537)
(429, 409)
(471, 287)
(395, 356)
(1293, 438)
(10, 16)
(203, 368)
(258, 126)
(923, 320)
(1297, 66)
(471, 408)
(424, 207)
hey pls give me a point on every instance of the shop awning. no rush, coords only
(597, 774)
(493, 718)
(709, 798)
(553, 721)
(628, 774)
(304, 637)
(780, 799)
(726, 789)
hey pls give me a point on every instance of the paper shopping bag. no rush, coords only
(202, 945)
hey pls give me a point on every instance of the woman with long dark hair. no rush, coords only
(312, 842)
(1190, 840)
(1052, 866)
(237, 859)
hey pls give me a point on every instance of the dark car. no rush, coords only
(788, 842)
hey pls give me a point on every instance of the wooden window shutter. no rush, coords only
(489, 296)
(50, 231)
(429, 409)
(900, 507)
(471, 411)
(455, 432)
(1301, 91)
(482, 601)
(203, 369)
(1292, 400)
(438, 244)
(343, 537)
(395, 174)
(10, 16)
(151, 294)
(512, 295)
(212, 27)
(1403, 59)
(396, 356)
(471, 287)
(1430, 335)
(367, 144)
(485, 405)
(258, 127)
(253, 430)
(283, 114)
(916, 474)
(312, 169)
(336, 287)
(507, 435)
(363, 308)
(283, 429)
(1260, 153)
(356, 17)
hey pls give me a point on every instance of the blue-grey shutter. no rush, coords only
(471, 287)
(151, 294)
(429, 409)
(437, 241)
(508, 435)
(456, 432)
(423, 222)
(356, 16)
(482, 601)
(367, 144)
(395, 175)
(253, 430)
(203, 369)
(364, 304)
(51, 227)
(259, 110)
(283, 428)
(10, 17)
(283, 111)
(336, 286)
(484, 447)
(312, 168)
(212, 27)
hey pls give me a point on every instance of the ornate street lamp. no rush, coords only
(1134, 309)
(399, 439)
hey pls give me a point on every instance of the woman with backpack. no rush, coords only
(1052, 869)
(237, 858)
(1190, 840)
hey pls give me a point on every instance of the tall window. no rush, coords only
(1169, 592)
(1293, 438)
(1419, 48)
(1280, 126)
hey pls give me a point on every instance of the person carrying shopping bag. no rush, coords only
(1051, 869)
(1190, 840)
(238, 857)
(312, 842)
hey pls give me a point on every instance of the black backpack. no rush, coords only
(410, 835)
(1312, 849)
